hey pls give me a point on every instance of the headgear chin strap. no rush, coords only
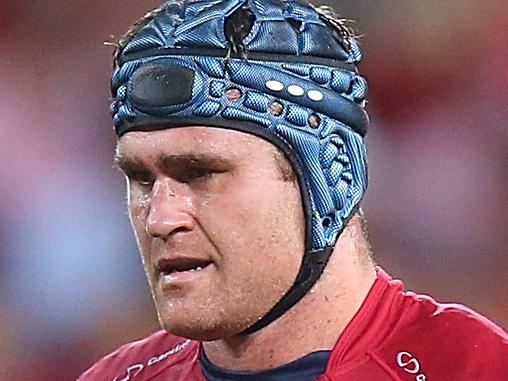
(177, 69)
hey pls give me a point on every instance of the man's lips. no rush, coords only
(167, 266)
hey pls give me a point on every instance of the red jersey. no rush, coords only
(396, 335)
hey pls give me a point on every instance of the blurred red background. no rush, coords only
(71, 284)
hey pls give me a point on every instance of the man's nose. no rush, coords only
(170, 211)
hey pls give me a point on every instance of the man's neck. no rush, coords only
(314, 323)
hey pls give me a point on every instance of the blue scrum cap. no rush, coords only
(298, 87)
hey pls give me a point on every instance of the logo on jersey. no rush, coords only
(135, 369)
(131, 372)
(410, 365)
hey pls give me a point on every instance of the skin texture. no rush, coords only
(235, 209)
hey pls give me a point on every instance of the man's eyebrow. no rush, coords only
(166, 162)
(128, 165)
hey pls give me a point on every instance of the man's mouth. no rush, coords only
(180, 265)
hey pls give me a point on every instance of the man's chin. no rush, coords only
(193, 318)
(195, 331)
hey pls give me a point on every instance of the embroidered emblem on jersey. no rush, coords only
(410, 365)
(136, 369)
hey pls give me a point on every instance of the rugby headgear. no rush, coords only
(296, 84)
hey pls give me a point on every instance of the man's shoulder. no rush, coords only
(142, 358)
(401, 335)
(451, 323)
(445, 341)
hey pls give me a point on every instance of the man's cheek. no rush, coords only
(138, 205)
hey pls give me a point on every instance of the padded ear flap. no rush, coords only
(335, 171)
(344, 164)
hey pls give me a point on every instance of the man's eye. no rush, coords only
(195, 173)
(146, 183)
(144, 180)
(198, 174)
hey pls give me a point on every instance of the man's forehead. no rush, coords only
(188, 140)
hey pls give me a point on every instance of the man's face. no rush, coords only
(221, 233)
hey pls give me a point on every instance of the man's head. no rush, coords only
(258, 74)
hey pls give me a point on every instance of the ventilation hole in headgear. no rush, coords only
(314, 120)
(276, 108)
(327, 221)
(238, 26)
(233, 94)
